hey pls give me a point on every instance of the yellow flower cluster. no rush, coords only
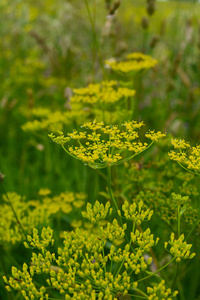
(139, 174)
(34, 212)
(179, 249)
(82, 258)
(30, 214)
(98, 212)
(81, 269)
(104, 92)
(134, 62)
(160, 292)
(90, 266)
(144, 240)
(44, 192)
(45, 119)
(66, 202)
(179, 200)
(35, 242)
(133, 261)
(114, 232)
(103, 145)
(23, 282)
(154, 136)
(135, 213)
(188, 157)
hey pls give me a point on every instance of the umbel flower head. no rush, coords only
(134, 62)
(82, 270)
(100, 146)
(188, 157)
(30, 213)
(179, 249)
(160, 292)
(104, 92)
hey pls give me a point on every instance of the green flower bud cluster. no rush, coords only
(179, 200)
(156, 194)
(75, 244)
(97, 212)
(144, 240)
(42, 263)
(60, 139)
(40, 244)
(113, 231)
(134, 212)
(179, 249)
(82, 269)
(136, 262)
(22, 281)
(132, 261)
(160, 292)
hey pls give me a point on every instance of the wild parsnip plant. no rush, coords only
(103, 146)
(109, 61)
(93, 266)
(189, 159)
(110, 261)
(155, 182)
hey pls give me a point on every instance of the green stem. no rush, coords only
(111, 193)
(141, 293)
(132, 156)
(100, 231)
(69, 152)
(119, 269)
(130, 247)
(179, 221)
(179, 233)
(13, 210)
(187, 169)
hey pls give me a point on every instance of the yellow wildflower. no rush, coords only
(101, 146)
(188, 157)
(134, 62)
(104, 92)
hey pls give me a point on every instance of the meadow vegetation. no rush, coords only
(100, 154)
